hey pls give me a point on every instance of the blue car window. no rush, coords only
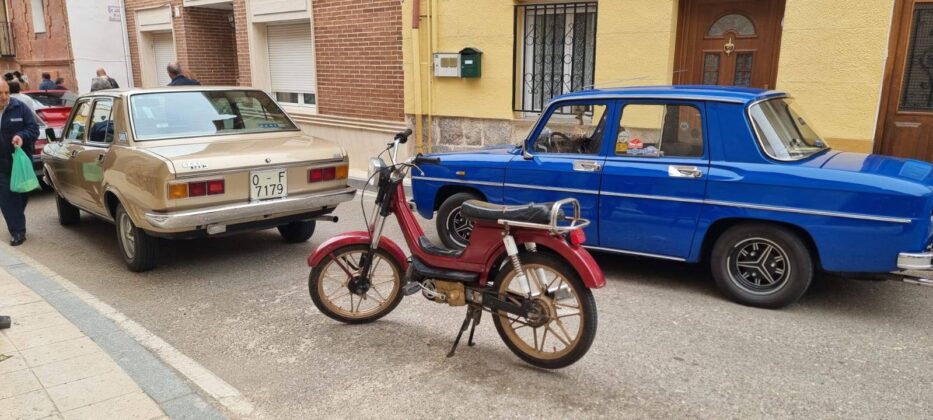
(574, 129)
(655, 130)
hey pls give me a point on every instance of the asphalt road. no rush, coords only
(667, 345)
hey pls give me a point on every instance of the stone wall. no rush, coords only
(458, 133)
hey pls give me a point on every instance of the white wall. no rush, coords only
(97, 41)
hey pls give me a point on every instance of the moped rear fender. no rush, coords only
(577, 256)
(356, 238)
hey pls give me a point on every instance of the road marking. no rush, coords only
(213, 385)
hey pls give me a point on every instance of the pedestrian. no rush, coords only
(103, 81)
(60, 84)
(47, 83)
(21, 78)
(179, 79)
(18, 130)
(8, 77)
(15, 87)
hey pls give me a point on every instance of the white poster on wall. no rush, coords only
(114, 12)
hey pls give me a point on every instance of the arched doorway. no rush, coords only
(728, 42)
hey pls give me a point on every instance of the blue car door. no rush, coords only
(654, 179)
(564, 157)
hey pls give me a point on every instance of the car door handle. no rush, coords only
(677, 171)
(100, 158)
(74, 154)
(586, 166)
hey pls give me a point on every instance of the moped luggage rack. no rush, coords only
(576, 222)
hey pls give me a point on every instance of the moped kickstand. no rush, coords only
(473, 314)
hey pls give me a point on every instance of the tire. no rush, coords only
(573, 347)
(139, 250)
(67, 214)
(449, 220)
(297, 232)
(762, 265)
(327, 301)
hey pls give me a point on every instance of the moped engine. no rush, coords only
(449, 292)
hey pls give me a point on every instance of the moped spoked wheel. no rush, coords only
(336, 289)
(561, 324)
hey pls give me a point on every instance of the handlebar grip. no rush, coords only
(403, 136)
(422, 159)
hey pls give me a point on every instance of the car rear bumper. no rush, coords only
(915, 260)
(222, 215)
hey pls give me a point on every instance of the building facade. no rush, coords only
(335, 66)
(846, 63)
(36, 37)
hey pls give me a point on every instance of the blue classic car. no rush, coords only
(736, 177)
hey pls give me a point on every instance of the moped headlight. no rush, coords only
(375, 165)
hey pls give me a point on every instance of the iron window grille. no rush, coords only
(554, 52)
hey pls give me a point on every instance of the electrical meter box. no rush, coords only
(471, 62)
(446, 65)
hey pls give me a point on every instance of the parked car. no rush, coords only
(734, 176)
(53, 105)
(191, 162)
(42, 118)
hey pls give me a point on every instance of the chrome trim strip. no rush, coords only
(643, 96)
(226, 213)
(640, 254)
(810, 212)
(914, 260)
(535, 187)
(310, 164)
(459, 181)
(654, 197)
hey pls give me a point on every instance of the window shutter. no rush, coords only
(291, 58)
(163, 46)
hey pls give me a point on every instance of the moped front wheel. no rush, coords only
(339, 291)
(561, 322)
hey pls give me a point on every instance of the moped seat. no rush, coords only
(530, 213)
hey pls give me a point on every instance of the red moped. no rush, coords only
(524, 264)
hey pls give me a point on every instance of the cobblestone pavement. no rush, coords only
(668, 344)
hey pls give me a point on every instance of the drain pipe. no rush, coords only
(416, 71)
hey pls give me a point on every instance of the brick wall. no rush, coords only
(244, 77)
(359, 58)
(206, 45)
(211, 53)
(44, 52)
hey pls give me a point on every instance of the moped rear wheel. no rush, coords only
(561, 325)
(337, 292)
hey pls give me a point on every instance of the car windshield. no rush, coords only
(167, 115)
(53, 98)
(783, 132)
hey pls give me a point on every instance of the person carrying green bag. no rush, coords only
(18, 134)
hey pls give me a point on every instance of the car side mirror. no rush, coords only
(526, 154)
(50, 134)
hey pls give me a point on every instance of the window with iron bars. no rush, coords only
(555, 46)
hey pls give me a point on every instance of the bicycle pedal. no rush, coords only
(411, 288)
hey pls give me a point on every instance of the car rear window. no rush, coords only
(166, 115)
(54, 98)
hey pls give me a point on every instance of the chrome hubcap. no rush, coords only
(127, 235)
(759, 266)
(459, 227)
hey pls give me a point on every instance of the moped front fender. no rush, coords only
(577, 256)
(356, 238)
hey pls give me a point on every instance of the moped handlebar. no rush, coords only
(423, 159)
(402, 137)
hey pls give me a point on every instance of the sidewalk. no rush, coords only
(51, 369)
(70, 356)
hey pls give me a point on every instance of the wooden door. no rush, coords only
(905, 126)
(729, 42)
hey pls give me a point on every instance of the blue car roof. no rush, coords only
(694, 92)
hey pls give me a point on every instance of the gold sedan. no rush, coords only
(183, 163)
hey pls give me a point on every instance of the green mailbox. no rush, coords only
(471, 62)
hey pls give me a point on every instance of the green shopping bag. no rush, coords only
(23, 179)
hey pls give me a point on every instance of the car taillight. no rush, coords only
(328, 174)
(577, 237)
(196, 188)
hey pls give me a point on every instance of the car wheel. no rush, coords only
(67, 214)
(762, 265)
(297, 232)
(140, 251)
(452, 227)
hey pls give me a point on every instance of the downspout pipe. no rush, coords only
(416, 72)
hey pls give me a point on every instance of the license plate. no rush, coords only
(264, 185)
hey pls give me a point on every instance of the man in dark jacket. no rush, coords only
(18, 129)
(47, 83)
(179, 79)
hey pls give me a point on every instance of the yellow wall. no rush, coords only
(832, 57)
(832, 61)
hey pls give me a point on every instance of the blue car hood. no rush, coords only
(887, 166)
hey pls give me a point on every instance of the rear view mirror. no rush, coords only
(50, 134)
